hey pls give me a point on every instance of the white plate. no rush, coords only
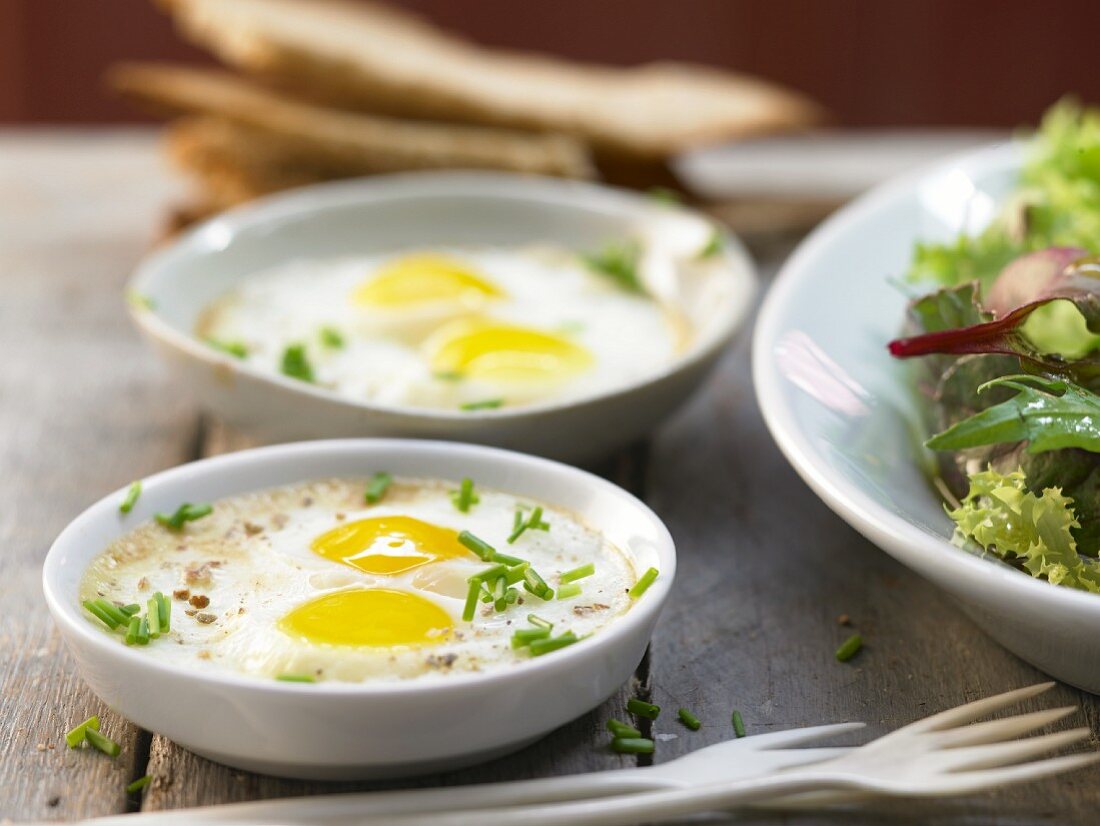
(332, 730)
(841, 411)
(399, 212)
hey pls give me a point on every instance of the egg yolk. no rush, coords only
(501, 352)
(421, 279)
(388, 545)
(369, 617)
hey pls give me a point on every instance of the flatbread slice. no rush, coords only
(374, 57)
(369, 143)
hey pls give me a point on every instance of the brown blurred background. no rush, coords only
(872, 62)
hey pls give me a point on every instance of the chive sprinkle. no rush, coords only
(505, 559)
(296, 678)
(632, 745)
(184, 513)
(296, 364)
(152, 617)
(101, 742)
(164, 609)
(539, 621)
(536, 585)
(472, 595)
(75, 736)
(620, 729)
(849, 648)
(525, 636)
(578, 573)
(618, 261)
(479, 546)
(465, 498)
(640, 708)
(738, 724)
(132, 494)
(568, 591)
(484, 404)
(100, 614)
(113, 611)
(133, 631)
(130, 610)
(642, 585)
(689, 719)
(533, 522)
(235, 349)
(540, 647)
(139, 784)
(377, 487)
(332, 338)
(713, 246)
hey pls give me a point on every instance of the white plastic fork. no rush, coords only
(729, 760)
(938, 756)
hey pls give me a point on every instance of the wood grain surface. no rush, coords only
(765, 568)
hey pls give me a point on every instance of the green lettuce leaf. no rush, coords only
(1047, 413)
(1033, 532)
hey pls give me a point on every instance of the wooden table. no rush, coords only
(765, 568)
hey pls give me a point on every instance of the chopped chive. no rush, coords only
(132, 631)
(714, 245)
(525, 636)
(618, 261)
(100, 614)
(75, 736)
(642, 585)
(640, 708)
(578, 573)
(152, 617)
(296, 678)
(164, 609)
(332, 338)
(489, 574)
(540, 647)
(689, 719)
(849, 648)
(536, 585)
(101, 742)
(132, 494)
(231, 348)
(738, 724)
(143, 631)
(620, 729)
(484, 404)
(632, 745)
(112, 610)
(568, 591)
(295, 363)
(517, 573)
(539, 621)
(533, 522)
(479, 546)
(184, 513)
(472, 595)
(131, 609)
(510, 561)
(511, 595)
(139, 784)
(465, 498)
(377, 487)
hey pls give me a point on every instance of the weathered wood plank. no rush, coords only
(765, 571)
(184, 779)
(83, 410)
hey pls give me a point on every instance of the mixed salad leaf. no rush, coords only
(1009, 374)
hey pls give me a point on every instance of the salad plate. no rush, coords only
(852, 419)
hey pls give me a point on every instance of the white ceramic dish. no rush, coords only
(426, 210)
(840, 407)
(333, 730)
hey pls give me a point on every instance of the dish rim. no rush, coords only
(644, 610)
(897, 535)
(561, 193)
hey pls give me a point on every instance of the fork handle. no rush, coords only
(626, 810)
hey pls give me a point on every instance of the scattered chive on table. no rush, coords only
(765, 568)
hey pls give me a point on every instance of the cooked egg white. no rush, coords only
(449, 328)
(309, 580)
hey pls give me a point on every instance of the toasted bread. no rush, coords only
(368, 143)
(377, 58)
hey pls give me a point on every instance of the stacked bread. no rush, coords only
(326, 89)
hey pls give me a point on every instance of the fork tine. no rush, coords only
(979, 708)
(1003, 754)
(973, 781)
(993, 731)
(795, 736)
